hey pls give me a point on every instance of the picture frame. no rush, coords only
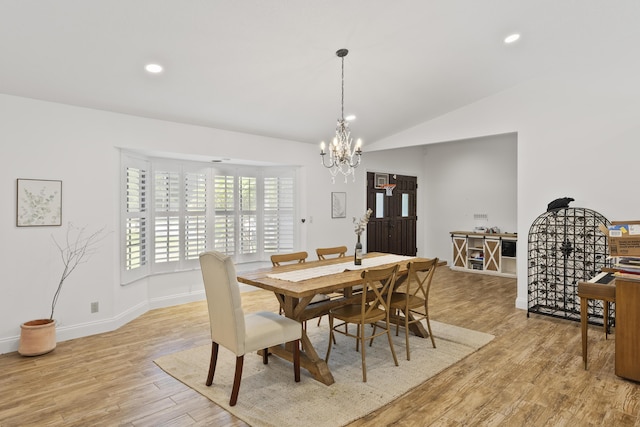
(38, 202)
(380, 180)
(338, 205)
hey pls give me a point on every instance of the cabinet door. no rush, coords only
(460, 251)
(627, 333)
(491, 255)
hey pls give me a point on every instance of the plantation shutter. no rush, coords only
(278, 214)
(167, 216)
(224, 224)
(248, 215)
(195, 227)
(135, 232)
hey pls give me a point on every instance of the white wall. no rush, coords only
(464, 178)
(79, 146)
(578, 134)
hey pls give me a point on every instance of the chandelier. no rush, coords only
(342, 158)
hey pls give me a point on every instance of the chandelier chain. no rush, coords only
(342, 99)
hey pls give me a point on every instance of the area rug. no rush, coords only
(270, 397)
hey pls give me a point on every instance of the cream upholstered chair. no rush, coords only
(414, 300)
(340, 251)
(372, 310)
(238, 332)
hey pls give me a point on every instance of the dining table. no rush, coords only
(296, 285)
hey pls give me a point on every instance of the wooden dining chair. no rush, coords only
(300, 257)
(238, 332)
(278, 259)
(340, 251)
(372, 310)
(413, 301)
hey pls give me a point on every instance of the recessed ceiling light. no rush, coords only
(350, 117)
(153, 68)
(512, 38)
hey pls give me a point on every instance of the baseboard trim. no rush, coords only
(69, 332)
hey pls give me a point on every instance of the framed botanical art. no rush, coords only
(39, 203)
(338, 205)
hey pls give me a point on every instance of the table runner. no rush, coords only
(326, 270)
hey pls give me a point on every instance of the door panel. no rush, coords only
(392, 226)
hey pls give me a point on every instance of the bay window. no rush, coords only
(245, 212)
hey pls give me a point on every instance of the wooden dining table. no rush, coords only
(336, 277)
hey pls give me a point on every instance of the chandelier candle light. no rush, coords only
(342, 158)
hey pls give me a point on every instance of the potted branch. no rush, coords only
(39, 336)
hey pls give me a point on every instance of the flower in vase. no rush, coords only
(361, 224)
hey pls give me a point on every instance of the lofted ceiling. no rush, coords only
(268, 67)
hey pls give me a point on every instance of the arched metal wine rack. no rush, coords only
(565, 247)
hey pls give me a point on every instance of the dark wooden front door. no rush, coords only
(392, 226)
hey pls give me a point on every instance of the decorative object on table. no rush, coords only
(39, 203)
(342, 158)
(338, 205)
(360, 225)
(560, 203)
(39, 336)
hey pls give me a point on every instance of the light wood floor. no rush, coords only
(531, 374)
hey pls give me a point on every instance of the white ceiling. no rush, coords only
(268, 67)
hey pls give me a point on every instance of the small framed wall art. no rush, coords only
(39, 203)
(338, 205)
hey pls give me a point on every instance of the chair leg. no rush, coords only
(375, 328)
(236, 380)
(433, 341)
(265, 356)
(393, 351)
(296, 360)
(406, 335)
(332, 339)
(212, 364)
(364, 359)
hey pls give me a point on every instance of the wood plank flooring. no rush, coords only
(531, 374)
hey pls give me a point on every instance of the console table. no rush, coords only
(489, 253)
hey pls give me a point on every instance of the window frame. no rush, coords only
(183, 168)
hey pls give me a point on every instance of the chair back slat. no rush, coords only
(377, 288)
(278, 259)
(420, 276)
(340, 251)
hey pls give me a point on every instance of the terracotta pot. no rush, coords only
(37, 337)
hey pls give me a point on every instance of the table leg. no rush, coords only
(309, 358)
